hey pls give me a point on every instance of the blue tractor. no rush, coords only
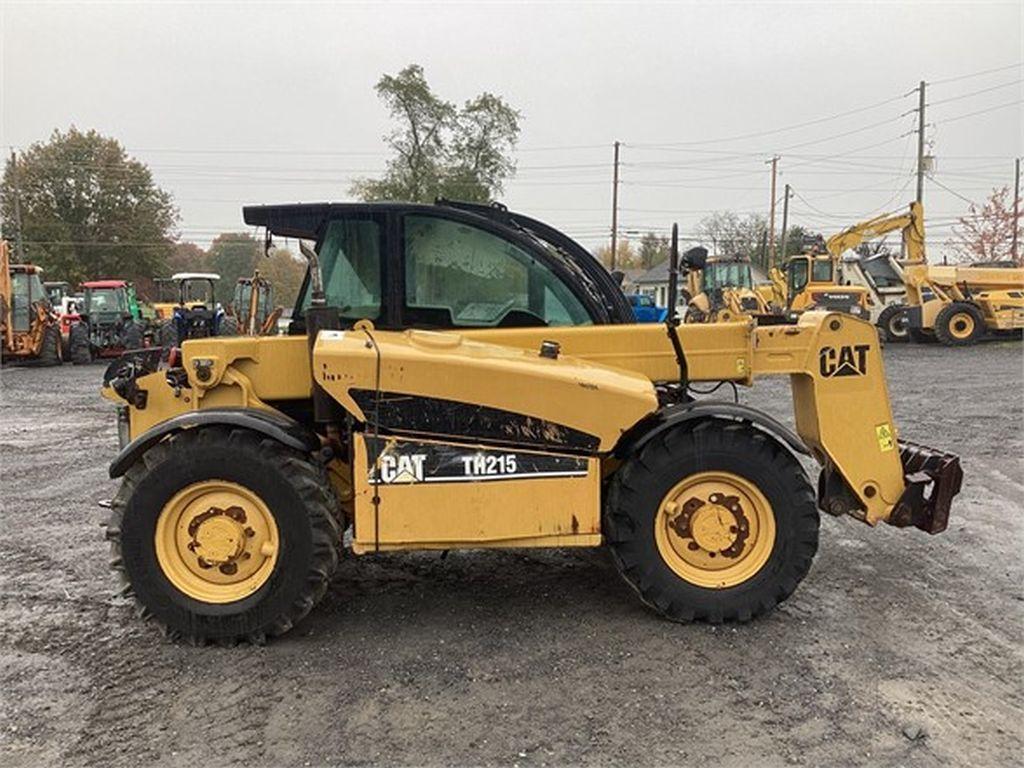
(196, 314)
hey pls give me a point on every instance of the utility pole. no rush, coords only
(771, 215)
(18, 244)
(615, 205)
(785, 222)
(920, 142)
(1016, 208)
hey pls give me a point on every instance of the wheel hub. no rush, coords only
(962, 325)
(216, 541)
(218, 535)
(715, 529)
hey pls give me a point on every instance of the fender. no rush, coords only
(637, 436)
(273, 424)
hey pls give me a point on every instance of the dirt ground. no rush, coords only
(899, 649)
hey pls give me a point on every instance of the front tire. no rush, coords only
(712, 522)
(894, 324)
(959, 324)
(223, 535)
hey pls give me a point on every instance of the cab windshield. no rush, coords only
(726, 274)
(105, 301)
(821, 271)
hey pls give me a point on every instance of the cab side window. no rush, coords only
(457, 275)
(797, 276)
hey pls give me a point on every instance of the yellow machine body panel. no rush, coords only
(591, 398)
(427, 494)
(600, 384)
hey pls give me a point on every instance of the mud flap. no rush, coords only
(932, 478)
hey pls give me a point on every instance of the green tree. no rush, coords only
(653, 250)
(625, 255)
(87, 209)
(233, 255)
(441, 150)
(285, 272)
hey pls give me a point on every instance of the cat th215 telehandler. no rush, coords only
(460, 376)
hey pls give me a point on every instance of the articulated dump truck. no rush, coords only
(461, 376)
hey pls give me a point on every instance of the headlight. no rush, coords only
(124, 433)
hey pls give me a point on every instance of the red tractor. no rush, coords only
(110, 321)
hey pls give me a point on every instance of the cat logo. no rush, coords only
(845, 361)
(406, 468)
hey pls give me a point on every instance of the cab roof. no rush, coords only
(195, 276)
(105, 284)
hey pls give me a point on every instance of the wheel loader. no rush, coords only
(462, 376)
(956, 305)
(29, 328)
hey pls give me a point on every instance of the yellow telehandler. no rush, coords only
(956, 305)
(462, 376)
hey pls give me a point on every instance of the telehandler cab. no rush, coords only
(461, 376)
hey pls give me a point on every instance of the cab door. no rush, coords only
(456, 273)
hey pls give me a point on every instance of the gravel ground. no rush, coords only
(899, 648)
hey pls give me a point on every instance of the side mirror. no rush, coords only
(695, 258)
(619, 277)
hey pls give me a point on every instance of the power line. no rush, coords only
(784, 129)
(975, 93)
(981, 111)
(1018, 65)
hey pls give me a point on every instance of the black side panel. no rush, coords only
(669, 417)
(398, 412)
(274, 425)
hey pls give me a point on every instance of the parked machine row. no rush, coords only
(905, 296)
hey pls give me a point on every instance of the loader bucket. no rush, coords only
(932, 478)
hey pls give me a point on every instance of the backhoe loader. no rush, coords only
(722, 291)
(956, 305)
(29, 327)
(462, 376)
(252, 306)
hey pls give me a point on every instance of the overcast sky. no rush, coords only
(255, 103)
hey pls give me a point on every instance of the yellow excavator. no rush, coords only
(956, 305)
(813, 280)
(496, 394)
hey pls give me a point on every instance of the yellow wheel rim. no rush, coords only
(715, 530)
(961, 325)
(216, 541)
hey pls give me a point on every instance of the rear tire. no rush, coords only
(78, 340)
(959, 324)
(655, 544)
(51, 352)
(295, 493)
(167, 333)
(228, 326)
(133, 336)
(894, 324)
